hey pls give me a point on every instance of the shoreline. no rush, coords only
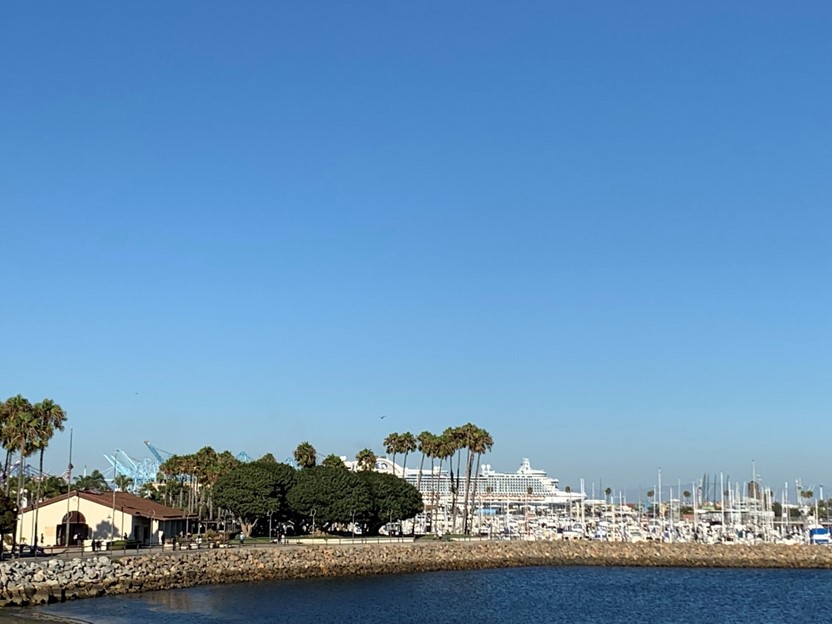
(25, 583)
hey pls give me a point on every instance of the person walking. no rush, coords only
(242, 538)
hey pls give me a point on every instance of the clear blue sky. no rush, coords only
(602, 231)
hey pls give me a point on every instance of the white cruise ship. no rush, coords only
(526, 486)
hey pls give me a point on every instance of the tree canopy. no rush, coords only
(331, 495)
(254, 490)
(393, 499)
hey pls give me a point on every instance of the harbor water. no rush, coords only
(556, 594)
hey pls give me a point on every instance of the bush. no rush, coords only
(123, 545)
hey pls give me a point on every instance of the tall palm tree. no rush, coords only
(21, 429)
(468, 434)
(8, 410)
(207, 472)
(407, 444)
(305, 455)
(455, 438)
(49, 417)
(443, 448)
(481, 443)
(391, 445)
(424, 441)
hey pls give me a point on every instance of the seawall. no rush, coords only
(29, 582)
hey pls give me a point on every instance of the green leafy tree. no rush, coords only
(330, 495)
(250, 491)
(393, 499)
(8, 518)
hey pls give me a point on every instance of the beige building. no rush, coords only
(84, 516)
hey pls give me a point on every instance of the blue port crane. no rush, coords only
(145, 470)
(160, 455)
(140, 471)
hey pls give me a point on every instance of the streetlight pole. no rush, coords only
(68, 489)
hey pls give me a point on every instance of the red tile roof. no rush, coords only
(123, 501)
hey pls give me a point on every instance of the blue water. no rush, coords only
(540, 595)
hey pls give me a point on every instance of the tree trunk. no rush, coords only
(455, 488)
(419, 476)
(37, 500)
(7, 468)
(469, 463)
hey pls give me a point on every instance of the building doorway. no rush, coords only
(78, 529)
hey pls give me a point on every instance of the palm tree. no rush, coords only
(366, 459)
(20, 432)
(122, 482)
(49, 417)
(305, 455)
(94, 482)
(407, 444)
(51, 486)
(333, 461)
(480, 444)
(424, 442)
(608, 491)
(444, 447)
(468, 434)
(456, 438)
(391, 445)
(207, 471)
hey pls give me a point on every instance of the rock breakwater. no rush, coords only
(30, 582)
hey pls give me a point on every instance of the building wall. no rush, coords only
(98, 518)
